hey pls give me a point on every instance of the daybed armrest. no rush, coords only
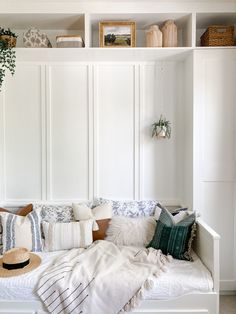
(206, 247)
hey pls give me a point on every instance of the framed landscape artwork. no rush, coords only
(117, 34)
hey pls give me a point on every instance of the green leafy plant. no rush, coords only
(161, 128)
(7, 55)
(7, 32)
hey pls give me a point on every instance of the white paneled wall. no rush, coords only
(68, 133)
(21, 130)
(115, 131)
(73, 131)
(215, 147)
(162, 160)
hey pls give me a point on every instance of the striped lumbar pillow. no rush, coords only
(174, 239)
(21, 231)
(65, 236)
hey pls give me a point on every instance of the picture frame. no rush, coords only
(117, 34)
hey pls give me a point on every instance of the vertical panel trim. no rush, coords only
(136, 132)
(48, 134)
(43, 135)
(95, 133)
(90, 86)
(142, 108)
(3, 142)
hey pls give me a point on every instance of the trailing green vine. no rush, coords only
(7, 56)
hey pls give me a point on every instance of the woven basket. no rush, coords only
(218, 35)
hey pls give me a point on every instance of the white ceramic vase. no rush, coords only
(154, 37)
(169, 31)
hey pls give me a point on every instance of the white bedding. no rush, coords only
(181, 278)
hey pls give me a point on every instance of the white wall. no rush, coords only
(72, 131)
(162, 160)
(68, 133)
(21, 142)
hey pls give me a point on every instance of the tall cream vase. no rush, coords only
(169, 31)
(154, 37)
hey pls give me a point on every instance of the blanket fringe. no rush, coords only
(148, 283)
(134, 301)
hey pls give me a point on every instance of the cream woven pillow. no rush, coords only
(65, 236)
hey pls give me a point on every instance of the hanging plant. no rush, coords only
(161, 128)
(7, 54)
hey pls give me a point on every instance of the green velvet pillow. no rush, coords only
(174, 239)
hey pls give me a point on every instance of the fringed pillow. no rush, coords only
(174, 238)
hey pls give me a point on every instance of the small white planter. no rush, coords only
(161, 132)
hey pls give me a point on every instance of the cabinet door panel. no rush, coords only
(68, 136)
(115, 131)
(219, 148)
(22, 133)
(214, 147)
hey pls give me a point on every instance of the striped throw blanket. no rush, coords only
(101, 279)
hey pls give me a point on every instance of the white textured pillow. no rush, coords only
(131, 231)
(103, 211)
(65, 236)
(83, 212)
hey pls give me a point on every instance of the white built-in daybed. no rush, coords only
(17, 295)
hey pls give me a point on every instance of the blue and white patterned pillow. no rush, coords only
(130, 208)
(21, 231)
(55, 213)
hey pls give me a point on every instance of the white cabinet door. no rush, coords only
(68, 137)
(21, 140)
(214, 147)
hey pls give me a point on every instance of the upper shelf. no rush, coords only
(203, 20)
(101, 54)
(191, 25)
(143, 22)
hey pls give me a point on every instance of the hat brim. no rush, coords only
(35, 261)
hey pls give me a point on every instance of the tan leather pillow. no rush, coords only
(101, 233)
(4, 210)
(24, 211)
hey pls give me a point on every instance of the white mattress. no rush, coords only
(181, 278)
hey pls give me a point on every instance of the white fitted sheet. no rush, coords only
(181, 278)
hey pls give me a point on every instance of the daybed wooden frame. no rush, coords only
(206, 247)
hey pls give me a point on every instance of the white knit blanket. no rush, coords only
(101, 279)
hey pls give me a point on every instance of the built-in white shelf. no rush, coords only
(100, 54)
(52, 24)
(191, 25)
(203, 20)
(143, 22)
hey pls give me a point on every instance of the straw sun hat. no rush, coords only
(18, 261)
